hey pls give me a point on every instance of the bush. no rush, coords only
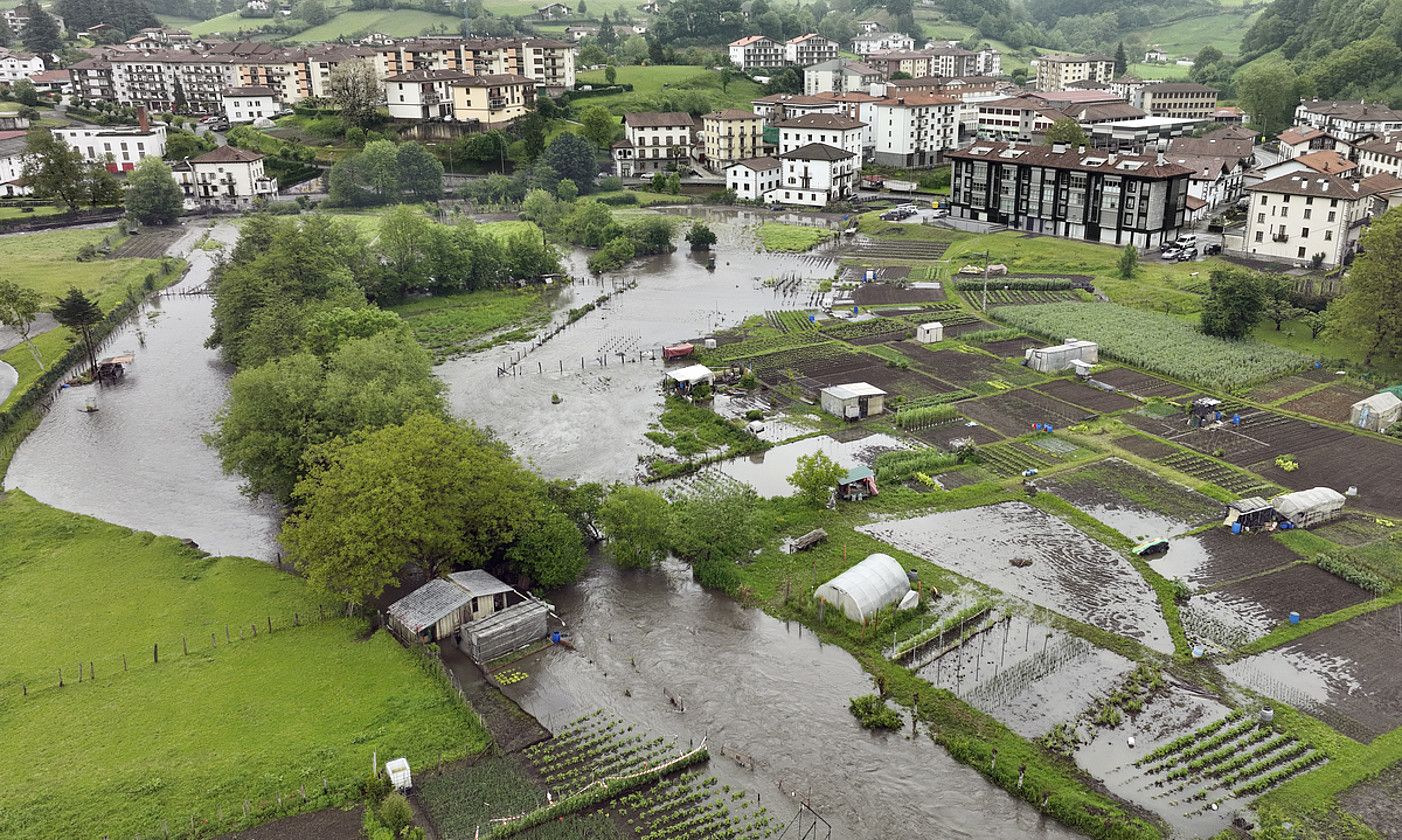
(873, 713)
(717, 574)
(395, 813)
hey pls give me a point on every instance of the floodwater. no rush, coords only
(768, 472)
(767, 690)
(1070, 573)
(140, 460)
(607, 396)
(9, 377)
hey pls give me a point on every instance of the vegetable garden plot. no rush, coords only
(1087, 397)
(1012, 348)
(1352, 530)
(1378, 801)
(1218, 556)
(1009, 459)
(1332, 403)
(959, 325)
(1069, 573)
(1240, 482)
(1014, 413)
(1251, 608)
(945, 434)
(1373, 465)
(781, 366)
(898, 382)
(1017, 297)
(1027, 674)
(1141, 384)
(1144, 447)
(880, 294)
(1346, 675)
(956, 366)
(1133, 501)
(1279, 389)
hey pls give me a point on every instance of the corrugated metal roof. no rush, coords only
(854, 389)
(479, 583)
(429, 603)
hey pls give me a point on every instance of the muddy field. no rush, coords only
(880, 294)
(1133, 501)
(1279, 389)
(1012, 348)
(1144, 447)
(1251, 608)
(1141, 384)
(955, 366)
(151, 243)
(1370, 464)
(1332, 403)
(1069, 572)
(1378, 802)
(1346, 674)
(943, 434)
(1218, 556)
(1013, 413)
(1087, 397)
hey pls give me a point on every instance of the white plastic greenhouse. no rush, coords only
(866, 587)
(1309, 507)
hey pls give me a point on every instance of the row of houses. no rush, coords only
(759, 52)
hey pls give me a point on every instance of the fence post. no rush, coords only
(270, 624)
(185, 644)
(124, 662)
(155, 652)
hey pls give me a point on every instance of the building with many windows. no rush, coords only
(915, 130)
(731, 135)
(1073, 192)
(1055, 71)
(880, 41)
(1349, 121)
(492, 100)
(16, 65)
(816, 175)
(839, 76)
(751, 179)
(119, 147)
(1179, 100)
(756, 52)
(807, 50)
(654, 142)
(246, 104)
(1380, 156)
(226, 178)
(837, 130)
(421, 95)
(1298, 216)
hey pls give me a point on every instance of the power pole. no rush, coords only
(986, 258)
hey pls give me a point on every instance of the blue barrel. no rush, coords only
(1049, 427)
(1236, 419)
(1294, 618)
(1236, 527)
(812, 319)
(555, 636)
(854, 310)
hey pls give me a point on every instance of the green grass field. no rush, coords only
(193, 735)
(1185, 37)
(778, 236)
(650, 82)
(397, 23)
(51, 346)
(450, 324)
(34, 212)
(228, 24)
(47, 262)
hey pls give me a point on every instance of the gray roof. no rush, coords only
(429, 603)
(478, 583)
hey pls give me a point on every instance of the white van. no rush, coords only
(1187, 240)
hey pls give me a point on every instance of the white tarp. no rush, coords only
(866, 587)
(1306, 506)
(1376, 412)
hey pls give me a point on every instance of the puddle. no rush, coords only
(768, 472)
(1070, 573)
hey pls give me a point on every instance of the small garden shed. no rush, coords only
(1309, 507)
(929, 333)
(687, 379)
(431, 612)
(858, 484)
(853, 401)
(510, 629)
(1377, 412)
(1060, 357)
(876, 582)
(1250, 513)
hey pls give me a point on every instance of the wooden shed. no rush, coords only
(429, 613)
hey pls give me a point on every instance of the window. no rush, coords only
(1301, 252)
(1332, 214)
(1307, 212)
(1328, 236)
(1259, 235)
(1260, 218)
(1263, 201)
(1304, 233)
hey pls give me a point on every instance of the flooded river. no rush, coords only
(8, 378)
(140, 460)
(752, 685)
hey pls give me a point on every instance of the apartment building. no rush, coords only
(13, 150)
(549, 63)
(1380, 156)
(915, 130)
(1015, 118)
(1296, 216)
(756, 52)
(119, 147)
(654, 142)
(731, 135)
(807, 50)
(1304, 139)
(246, 104)
(839, 76)
(1179, 100)
(422, 95)
(1349, 121)
(225, 178)
(878, 41)
(492, 100)
(1215, 180)
(1055, 71)
(816, 175)
(16, 65)
(1075, 193)
(751, 179)
(837, 130)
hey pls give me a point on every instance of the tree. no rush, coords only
(1316, 321)
(354, 86)
(19, 306)
(405, 243)
(100, 187)
(1369, 311)
(429, 494)
(599, 125)
(1066, 131)
(314, 12)
(1269, 89)
(637, 524)
(701, 237)
(816, 478)
(550, 550)
(54, 170)
(79, 313)
(727, 75)
(1234, 303)
(378, 166)
(718, 524)
(607, 38)
(610, 74)
(531, 129)
(1121, 60)
(583, 10)
(153, 197)
(23, 92)
(1129, 261)
(572, 157)
(420, 173)
(181, 145)
(41, 34)
(1279, 310)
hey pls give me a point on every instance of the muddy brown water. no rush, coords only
(766, 691)
(9, 377)
(140, 460)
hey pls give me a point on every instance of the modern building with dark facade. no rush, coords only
(1072, 192)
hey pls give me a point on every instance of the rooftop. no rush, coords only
(658, 119)
(1080, 160)
(759, 164)
(817, 151)
(831, 122)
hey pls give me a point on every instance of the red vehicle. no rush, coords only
(677, 351)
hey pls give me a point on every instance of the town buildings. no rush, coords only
(421, 95)
(915, 130)
(816, 175)
(731, 135)
(837, 130)
(1348, 121)
(1298, 216)
(224, 178)
(119, 147)
(494, 100)
(1056, 71)
(654, 142)
(1072, 192)
(752, 179)
(807, 50)
(756, 52)
(880, 41)
(16, 65)
(1180, 100)
(838, 76)
(1381, 155)
(246, 104)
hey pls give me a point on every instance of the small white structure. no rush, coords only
(687, 378)
(876, 582)
(1309, 507)
(929, 333)
(853, 400)
(1060, 357)
(1377, 412)
(246, 104)
(399, 775)
(1081, 368)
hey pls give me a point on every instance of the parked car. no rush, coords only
(1212, 249)
(1187, 254)
(1171, 254)
(941, 213)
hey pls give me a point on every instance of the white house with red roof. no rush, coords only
(225, 178)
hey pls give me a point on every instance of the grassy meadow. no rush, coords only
(450, 324)
(191, 737)
(778, 236)
(48, 263)
(650, 82)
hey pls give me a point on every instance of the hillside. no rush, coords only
(1340, 48)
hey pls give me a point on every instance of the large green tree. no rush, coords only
(573, 157)
(41, 34)
(1066, 131)
(153, 197)
(815, 478)
(54, 170)
(354, 86)
(637, 523)
(19, 306)
(430, 493)
(1369, 312)
(1235, 303)
(420, 173)
(550, 549)
(599, 125)
(1269, 89)
(718, 524)
(79, 313)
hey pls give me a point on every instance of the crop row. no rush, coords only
(1205, 469)
(691, 808)
(761, 346)
(1183, 742)
(1158, 342)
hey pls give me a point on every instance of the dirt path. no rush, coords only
(329, 824)
(511, 728)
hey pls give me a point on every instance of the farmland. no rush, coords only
(149, 751)
(778, 236)
(450, 324)
(51, 262)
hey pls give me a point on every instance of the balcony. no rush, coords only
(1280, 237)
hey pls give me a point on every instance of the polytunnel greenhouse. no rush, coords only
(866, 587)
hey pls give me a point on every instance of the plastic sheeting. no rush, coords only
(866, 587)
(1309, 506)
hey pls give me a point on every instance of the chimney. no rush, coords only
(1058, 148)
(1080, 150)
(141, 120)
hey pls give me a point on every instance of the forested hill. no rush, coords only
(1342, 49)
